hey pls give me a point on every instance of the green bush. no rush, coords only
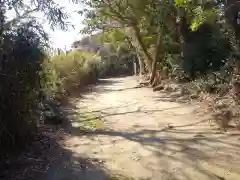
(114, 65)
(21, 56)
(208, 51)
(75, 69)
(79, 68)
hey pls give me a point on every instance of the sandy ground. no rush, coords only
(143, 135)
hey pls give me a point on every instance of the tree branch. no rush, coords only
(19, 18)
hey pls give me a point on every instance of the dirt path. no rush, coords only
(133, 139)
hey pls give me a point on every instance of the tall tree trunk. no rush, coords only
(156, 57)
(141, 65)
(149, 59)
(140, 60)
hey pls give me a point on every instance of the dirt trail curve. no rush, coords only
(136, 140)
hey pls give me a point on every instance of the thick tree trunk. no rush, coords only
(156, 58)
(153, 73)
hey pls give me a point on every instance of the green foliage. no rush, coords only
(75, 69)
(208, 52)
(25, 70)
(79, 68)
(201, 16)
(114, 36)
(49, 79)
(21, 56)
(143, 23)
(196, 12)
(151, 28)
(24, 10)
(114, 65)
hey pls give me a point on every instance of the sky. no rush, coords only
(59, 38)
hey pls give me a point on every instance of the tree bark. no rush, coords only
(149, 59)
(154, 70)
(140, 60)
(141, 65)
(156, 57)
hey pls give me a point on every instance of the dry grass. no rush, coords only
(88, 120)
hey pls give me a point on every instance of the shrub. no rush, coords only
(114, 65)
(76, 68)
(21, 56)
(207, 52)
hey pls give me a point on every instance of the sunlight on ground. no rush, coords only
(145, 137)
(88, 120)
(118, 177)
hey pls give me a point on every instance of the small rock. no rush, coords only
(199, 136)
(135, 158)
(169, 126)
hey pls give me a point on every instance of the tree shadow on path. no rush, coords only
(210, 155)
(189, 151)
(48, 159)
